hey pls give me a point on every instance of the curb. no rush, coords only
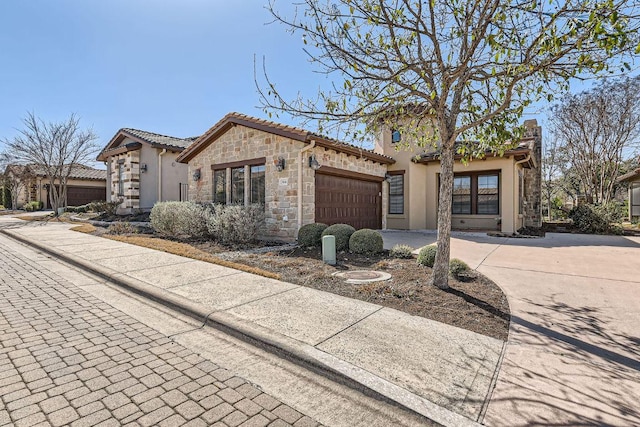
(290, 349)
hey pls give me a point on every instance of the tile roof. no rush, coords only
(524, 147)
(287, 131)
(158, 139)
(78, 171)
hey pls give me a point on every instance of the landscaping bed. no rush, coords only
(474, 303)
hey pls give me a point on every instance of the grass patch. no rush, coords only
(84, 228)
(186, 250)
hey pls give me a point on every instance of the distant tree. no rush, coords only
(55, 147)
(454, 71)
(597, 130)
(552, 165)
(15, 179)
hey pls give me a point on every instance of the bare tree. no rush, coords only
(54, 147)
(597, 130)
(460, 74)
(552, 163)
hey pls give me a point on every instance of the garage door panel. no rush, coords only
(77, 196)
(348, 200)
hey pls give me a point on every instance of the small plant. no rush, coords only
(401, 251)
(99, 206)
(122, 227)
(458, 268)
(342, 233)
(234, 224)
(179, 219)
(427, 256)
(78, 209)
(366, 241)
(33, 206)
(1, 208)
(310, 235)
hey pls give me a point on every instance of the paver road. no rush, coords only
(68, 358)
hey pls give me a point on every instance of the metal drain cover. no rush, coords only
(362, 276)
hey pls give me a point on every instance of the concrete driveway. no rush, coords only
(573, 356)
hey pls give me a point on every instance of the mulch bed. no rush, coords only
(475, 303)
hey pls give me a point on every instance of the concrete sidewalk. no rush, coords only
(441, 372)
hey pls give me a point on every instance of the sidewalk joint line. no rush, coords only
(204, 280)
(490, 253)
(254, 300)
(351, 325)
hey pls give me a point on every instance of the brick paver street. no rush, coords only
(68, 358)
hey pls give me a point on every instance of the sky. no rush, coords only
(170, 67)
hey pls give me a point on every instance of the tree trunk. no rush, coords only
(440, 275)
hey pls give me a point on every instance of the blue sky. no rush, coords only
(171, 67)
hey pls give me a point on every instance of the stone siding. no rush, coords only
(533, 179)
(131, 197)
(241, 143)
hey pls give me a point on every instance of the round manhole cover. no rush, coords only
(363, 276)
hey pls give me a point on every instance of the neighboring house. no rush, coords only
(633, 178)
(84, 185)
(299, 176)
(302, 178)
(142, 169)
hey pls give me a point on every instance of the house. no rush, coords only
(633, 178)
(501, 193)
(302, 177)
(142, 169)
(85, 184)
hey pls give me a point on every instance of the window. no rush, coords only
(396, 194)
(487, 202)
(461, 195)
(257, 184)
(476, 194)
(234, 181)
(220, 186)
(120, 179)
(237, 186)
(396, 136)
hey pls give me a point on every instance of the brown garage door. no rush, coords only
(77, 196)
(345, 199)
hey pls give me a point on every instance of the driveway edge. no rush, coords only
(301, 354)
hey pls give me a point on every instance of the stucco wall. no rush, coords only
(141, 187)
(240, 143)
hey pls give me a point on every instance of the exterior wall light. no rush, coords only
(143, 167)
(196, 175)
(280, 164)
(313, 162)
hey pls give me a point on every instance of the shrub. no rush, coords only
(33, 206)
(235, 224)
(401, 251)
(110, 208)
(311, 234)
(122, 227)
(458, 268)
(587, 220)
(1, 207)
(78, 209)
(179, 219)
(427, 256)
(366, 241)
(342, 233)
